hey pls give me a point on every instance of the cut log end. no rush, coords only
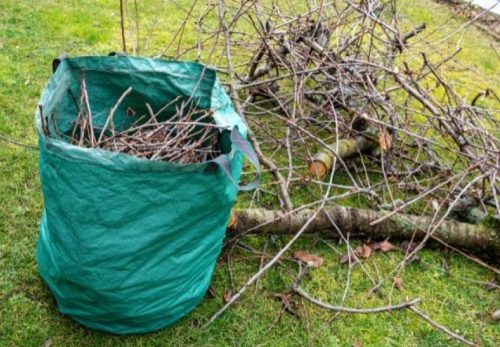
(317, 168)
(320, 164)
(232, 221)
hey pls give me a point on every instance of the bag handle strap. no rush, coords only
(120, 54)
(56, 62)
(248, 152)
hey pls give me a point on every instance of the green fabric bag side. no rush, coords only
(129, 245)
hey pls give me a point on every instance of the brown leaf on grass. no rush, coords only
(357, 344)
(310, 259)
(286, 303)
(384, 246)
(491, 285)
(348, 257)
(384, 141)
(228, 295)
(407, 246)
(363, 251)
(398, 283)
(435, 205)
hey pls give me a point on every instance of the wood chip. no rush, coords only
(310, 259)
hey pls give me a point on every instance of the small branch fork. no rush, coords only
(408, 305)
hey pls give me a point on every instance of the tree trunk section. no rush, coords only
(322, 162)
(478, 239)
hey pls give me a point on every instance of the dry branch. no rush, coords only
(342, 309)
(479, 239)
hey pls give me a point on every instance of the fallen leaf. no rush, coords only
(286, 303)
(310, 259)
(435, 205)
(384, 246)
(384, 141)
(228, 295)
(357, 344)
(345, 258)
(491, 285)
(363, 251)
(408, 247)
(393, 178)
(398, 283)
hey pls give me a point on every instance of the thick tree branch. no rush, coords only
(479, 239)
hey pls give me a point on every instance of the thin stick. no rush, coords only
(441, 327)
(343, 309)
(17, 143)
(122, 25)
(85, 97)
(137, 27)
(111, 114)
(259, 273)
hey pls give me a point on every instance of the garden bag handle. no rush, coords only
(242, 145)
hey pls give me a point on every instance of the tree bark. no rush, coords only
(479, 239)
(322, 162)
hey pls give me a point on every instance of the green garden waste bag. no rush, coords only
(128, 245)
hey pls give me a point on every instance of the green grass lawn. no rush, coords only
(452, 290)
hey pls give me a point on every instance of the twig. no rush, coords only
(112, 113)
(441, 327)
(122, 26)
(259, 273)
(287, 201)
(404, 305)
(16, 142)
(43, 121)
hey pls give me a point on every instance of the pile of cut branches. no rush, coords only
(345, 100)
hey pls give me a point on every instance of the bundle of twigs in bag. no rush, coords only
(188, 136)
